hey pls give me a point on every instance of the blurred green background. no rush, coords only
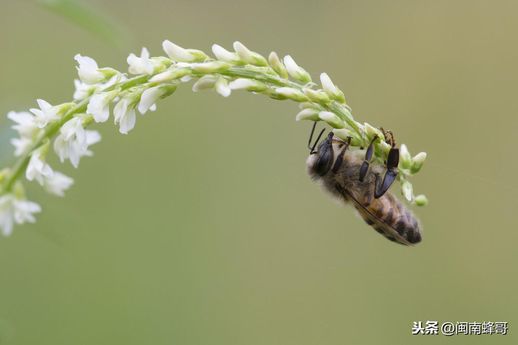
(202, 227)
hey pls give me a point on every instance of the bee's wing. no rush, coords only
(370, 218)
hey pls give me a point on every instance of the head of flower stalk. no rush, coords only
(295, 71)
(332, 119)
(331, 89)
(224, 55)
(177, 53)
(417, 162)
(277, 65)
(248, 56)
(316, 96)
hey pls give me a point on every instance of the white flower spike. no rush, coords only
(64, 125)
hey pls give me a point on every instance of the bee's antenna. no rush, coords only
(312, 148)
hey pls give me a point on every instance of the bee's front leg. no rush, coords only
(368, 156)
(340, 158)
(390, 175)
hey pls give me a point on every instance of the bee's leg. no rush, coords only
(390, 175)
(312, 148)
(340, 158)
(368, 156)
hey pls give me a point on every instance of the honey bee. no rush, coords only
(349, 175)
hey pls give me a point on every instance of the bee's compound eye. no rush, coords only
(325, 159)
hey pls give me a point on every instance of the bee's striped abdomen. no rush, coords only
(391, 219)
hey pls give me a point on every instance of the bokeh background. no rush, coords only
(202, 227)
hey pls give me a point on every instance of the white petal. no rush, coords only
(148, 98)
(88, 70)
(242, 84)
(222, 87)
(21, 145)
(127, 123)
(58, 183)
(223, 54)
(99, 107)
(327, 84)
(204, 83)
(177, 53)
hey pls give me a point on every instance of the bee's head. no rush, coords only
(320, 160)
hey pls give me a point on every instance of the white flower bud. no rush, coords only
(204, 83)
(222, 87)
(210, 67)
(177, 53)
(406, 190)
(421, 200)
(249, 56)
(404, 157)
(170, 74)
(372, 132)
(331, 89)
(224, 55)
(307, 114)
(332, 119)
(291, 93)
(417, 162)
(247, 84)
(316, 96)
(295, 71)
(277, 65)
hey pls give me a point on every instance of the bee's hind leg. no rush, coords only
(340, 158)
(390, 175)
(368, 156)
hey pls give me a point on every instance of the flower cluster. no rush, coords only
(102, 92)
